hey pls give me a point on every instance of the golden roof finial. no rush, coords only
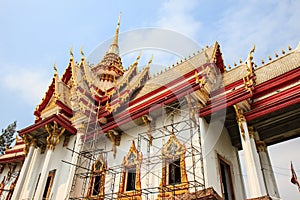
(150, 61)
(276, 55)
(55, 69)
(282, 51)
(249, 59)
(138, 58)
(206, 56)
(71, 52)
(269, 57)
(81, 52)
(262, 61)
(234, 64)
(290, 48)
(250, 55)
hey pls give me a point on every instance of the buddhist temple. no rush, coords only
(108, 131)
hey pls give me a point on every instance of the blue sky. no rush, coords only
(36, 34)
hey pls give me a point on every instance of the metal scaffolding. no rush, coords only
(186, 130)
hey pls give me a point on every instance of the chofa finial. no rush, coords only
(71, 52)
(81, 52)
(150, 61)
(55, 69)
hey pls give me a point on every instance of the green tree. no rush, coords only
(7, 137)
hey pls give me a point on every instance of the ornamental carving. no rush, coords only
(148, 122)
(115, 138)
(29, 141)
(54, 133)
(240, 119)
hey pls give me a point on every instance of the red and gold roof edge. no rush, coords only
(61, 120)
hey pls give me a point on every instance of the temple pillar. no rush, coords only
(24, 170)
(54, 133)
(30, 182)
(255, 177)
(77, 149)
(269, 177)
(44, 176)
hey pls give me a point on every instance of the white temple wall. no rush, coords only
(216, 142)
(32, 176)
(62, 169)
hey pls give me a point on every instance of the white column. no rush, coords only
(255, 177)
(44, 176)
(268, 173)
(77, 149)
(32, 174)
(54, 133)
(23, 174)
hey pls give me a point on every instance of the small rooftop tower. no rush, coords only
(110, 68)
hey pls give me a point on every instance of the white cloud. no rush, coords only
(178, 16)
(27, 83)
(270, 25)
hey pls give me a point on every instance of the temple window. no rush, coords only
(173, 169)
(48, 185)
(174, 172)
(226, 180)
(97, 180)
(130, 181)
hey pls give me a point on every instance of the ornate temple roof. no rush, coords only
(206, 55)
(111, 63)
(14, 154)
(109, 95)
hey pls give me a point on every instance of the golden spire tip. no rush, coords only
(119, 19)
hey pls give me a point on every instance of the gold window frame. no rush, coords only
(133, 159)
(95, 173)
(173, 150)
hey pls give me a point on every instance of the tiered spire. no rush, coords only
(110, 68)
(114, 47)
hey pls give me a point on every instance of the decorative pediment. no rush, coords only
(173, 148)
(99, 165)
(133, 157)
